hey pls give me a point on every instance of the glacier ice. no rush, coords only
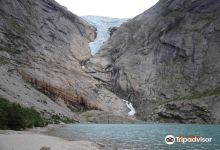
(102, 24)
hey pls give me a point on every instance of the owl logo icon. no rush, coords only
(169, 139)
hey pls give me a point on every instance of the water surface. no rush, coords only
(142, 136)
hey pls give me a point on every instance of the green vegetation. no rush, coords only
(15, 25)
(176, 14)
(10, 50)
(57, 119)
(209, 17)
(15, 117)
(196, 95)
(3, 61)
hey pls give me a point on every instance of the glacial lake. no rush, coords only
(141, 136)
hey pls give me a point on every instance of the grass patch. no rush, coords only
(14, 116)
(195, 95)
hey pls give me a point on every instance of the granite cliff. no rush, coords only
(166, 62)
(43, 47)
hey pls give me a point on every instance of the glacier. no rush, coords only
(103, 26)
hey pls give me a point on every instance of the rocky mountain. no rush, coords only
(43, 48)
(105, 26)
(166, 62)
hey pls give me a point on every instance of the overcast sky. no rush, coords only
(110, 8)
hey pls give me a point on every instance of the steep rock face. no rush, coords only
(168, 53)
(45, 45)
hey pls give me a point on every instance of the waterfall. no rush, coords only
(130, 106)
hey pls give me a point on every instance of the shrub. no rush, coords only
(14, 116)
(57, 119)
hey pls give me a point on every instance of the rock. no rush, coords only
(157, 61)
(46, 45)
(45, 148)
(169, 51)
(97, 116)
(112, 30)
(202, 110)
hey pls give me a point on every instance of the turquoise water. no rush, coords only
(142, 136)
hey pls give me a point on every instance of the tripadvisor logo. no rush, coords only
(170, 139)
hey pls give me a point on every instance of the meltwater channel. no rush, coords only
(141, 136)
